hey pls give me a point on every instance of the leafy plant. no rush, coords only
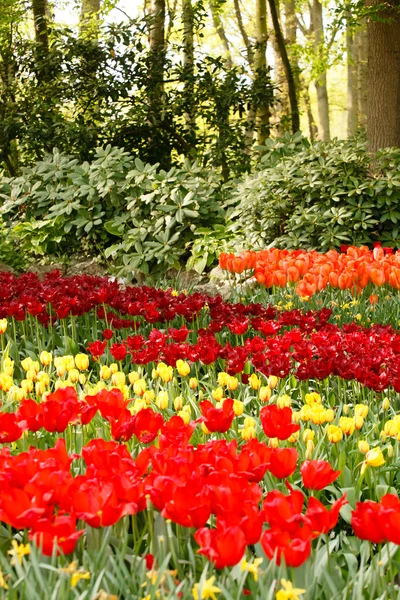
(319, 196)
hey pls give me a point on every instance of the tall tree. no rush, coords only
(294, 107)
(40, 12)
(321, 84)
(220, 29)
(383, 102)
(260, 68)
(352, 81)
(89, 18)
(188, 64)
(361, 43)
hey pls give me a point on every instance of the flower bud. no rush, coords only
(133, 376)
(178, 403)
(386, 404)
(363, 446)
(272, 381)
(265, 393)
(193, 383)
(232, 383)
(45, 358)
(284, 401)
(309, 449)
(308, 434)
(162, 400)
(254, 381)
(105, 372)
(238, 408)
(82, 362)
(182, 367)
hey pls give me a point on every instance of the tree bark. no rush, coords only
(89, 18)
(352, 84)
(188, 64)
(294, 107)
(361, 40)
(246, 40)
(383, 105)
(312, 127)
(321, 82)
(220, 29)
(40, 11)
(260, 68)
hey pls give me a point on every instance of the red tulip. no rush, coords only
(317, 474)
(224, 546)
(59, 532)
(217, 419)
(277, 422)
(322, 519)
(283, 462)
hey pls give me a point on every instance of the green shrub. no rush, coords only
(321, 196)
(61, 207)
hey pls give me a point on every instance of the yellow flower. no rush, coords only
(232, 383)
(358, 422)
(73, 375)
(3, 326)
(238, 408)
(82, 362)
(77, 576)
(284, 401)
(374, 458)
(264, 393)
(289, 592)
(385, 404)
(272, 381)
(45, 358)
(347, 425)
(251, 567)
(183, 367)
(308, 434)
(223, 378)
(193, 383)
(133, 376)
(105, 372)
(309, 450)
(118, 379)
(139, 387)
(254, 381)
(3, 583)
(178, 403)
(204, 429)
(184, 416)
(18, 551)
(205, 590)
(162, 400)
(361, 410)
(363, 446)
(249, 422)
(334, 434)
(248, 433)
(313, 398)
(218, 394)
(329, 415)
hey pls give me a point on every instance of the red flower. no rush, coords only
(29, 415)
(10, 431)
(295, 548)
(317, 474)
(147, 425)
(367, 522)
(283, 512)
(107, 334)
(390, 509)
(59, 531)
(111, 403)
(283, 462)
(118, 351)
(277, 422)
(322, 519)
(217, 419)
(224, 546)
(96, 349)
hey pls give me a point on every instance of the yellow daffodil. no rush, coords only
(251, 567)
(289, 592)
(18, 551)
(205, 591)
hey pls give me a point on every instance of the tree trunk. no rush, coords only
(89, 18)
(188, 65)
(313, 130)
(361, 39)
(294, 108)
(352, 84)
(321, 82)
(40, 11)
(383, 105)
(260, 67)
(158, 149)
(243, 33)
(220, 29)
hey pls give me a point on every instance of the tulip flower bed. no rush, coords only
(160, 444)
